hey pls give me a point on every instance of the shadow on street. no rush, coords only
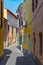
(25, 53)
(37, 61)
(19, 47)
(25, 60)
(7, 53)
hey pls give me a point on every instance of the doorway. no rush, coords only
(28, 43)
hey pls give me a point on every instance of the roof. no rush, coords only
(11, 13)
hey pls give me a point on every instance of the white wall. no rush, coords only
(11, 19)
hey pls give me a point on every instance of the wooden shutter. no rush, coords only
(32, 5)
(40, 36)
(36, 3)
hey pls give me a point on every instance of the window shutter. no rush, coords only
(32, 5)
(8, 28)
(36, 3)
(19, 22)
(40, 36)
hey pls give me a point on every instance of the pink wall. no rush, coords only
(37, 27)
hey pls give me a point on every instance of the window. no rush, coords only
(8, 28)
(19, 23)
(5, 25)
(34, 37)
(34, 4)
(24, 38)
(20, 39)
(12, 30)
(24, 14)
(40, 36)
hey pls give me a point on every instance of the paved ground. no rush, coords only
(14, 56)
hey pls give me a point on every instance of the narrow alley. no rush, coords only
(21, 32)
(13, 56)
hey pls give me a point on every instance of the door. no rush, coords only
(28, 43)
(34, 41)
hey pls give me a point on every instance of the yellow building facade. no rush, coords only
(27, 32)
(1, 29)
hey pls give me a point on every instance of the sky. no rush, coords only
(12, 5)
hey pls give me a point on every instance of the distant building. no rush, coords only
(9, 27)
(20, 21)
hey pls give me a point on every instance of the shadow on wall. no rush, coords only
(7, 53)
(37, 61)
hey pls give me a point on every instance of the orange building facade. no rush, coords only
(9, 27)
